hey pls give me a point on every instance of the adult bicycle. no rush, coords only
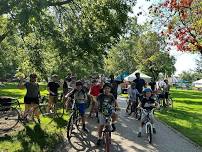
(9, 115)
(74, 120)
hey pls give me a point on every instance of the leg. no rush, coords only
(114, 119)
(129, 105)
(50, 103)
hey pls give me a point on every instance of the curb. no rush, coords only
(180, 134)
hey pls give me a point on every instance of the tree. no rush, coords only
(182, 21)
(77, 32)
(151, 59)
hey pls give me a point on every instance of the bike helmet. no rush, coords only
(147, 90)
(107, 85)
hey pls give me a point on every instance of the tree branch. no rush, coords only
(60, 3)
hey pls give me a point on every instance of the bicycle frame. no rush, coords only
(148, 120)
(107, 133)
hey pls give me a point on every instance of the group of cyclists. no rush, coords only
(101, 93)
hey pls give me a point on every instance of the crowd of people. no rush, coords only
(102, 95)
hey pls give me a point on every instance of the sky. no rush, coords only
(184, 61)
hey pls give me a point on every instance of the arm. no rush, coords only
(69, 94)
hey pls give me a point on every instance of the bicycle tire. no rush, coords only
(9, 118)
(107, 140)
(70, 126)
(149, 133)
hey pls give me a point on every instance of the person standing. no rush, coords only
(94, 91)
(53, 92)
(140, 84)
(32, 96)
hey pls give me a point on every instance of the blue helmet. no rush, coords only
(147, 90)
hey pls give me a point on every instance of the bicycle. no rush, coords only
(107, 133)
(163, 102)
(9, 115)
(73, 120)
(148, 124)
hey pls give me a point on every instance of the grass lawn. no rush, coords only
(33, 137)
(186, 117)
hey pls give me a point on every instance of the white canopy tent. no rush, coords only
(132, 76)
(197, 84)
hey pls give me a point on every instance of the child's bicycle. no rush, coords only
(148, 124)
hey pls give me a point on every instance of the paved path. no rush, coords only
(125, 138)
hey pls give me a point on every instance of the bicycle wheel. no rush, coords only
(107, 139)
(149, 134)
(9, 118)
(59, 109)
(70, 126)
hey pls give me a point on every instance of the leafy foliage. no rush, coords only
(182, 21)
(54, 36)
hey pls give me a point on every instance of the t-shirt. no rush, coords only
(32, 90)
(65, 87)
(146, 101)
(132, 93)
(114, 90)
(105, 100)
(139, 84)
(79, 96)
(95, 90)
(53, 86)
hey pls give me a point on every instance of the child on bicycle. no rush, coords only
(147, 103)
(80, 97)
(106, 99)
(133, 98)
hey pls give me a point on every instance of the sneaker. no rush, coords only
(139, 134)
(99, 141)
(86, 130)
(154, 130)
(113, 128)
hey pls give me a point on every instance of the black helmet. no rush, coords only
(78, 83)
(107, 85)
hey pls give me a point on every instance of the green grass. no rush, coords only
(33, 137)
(186, 117)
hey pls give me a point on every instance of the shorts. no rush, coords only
(94, 98)
(166, 95)
(102, 118)
(53, 99)
(81, 107)
(143, 117)
(31, 100)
